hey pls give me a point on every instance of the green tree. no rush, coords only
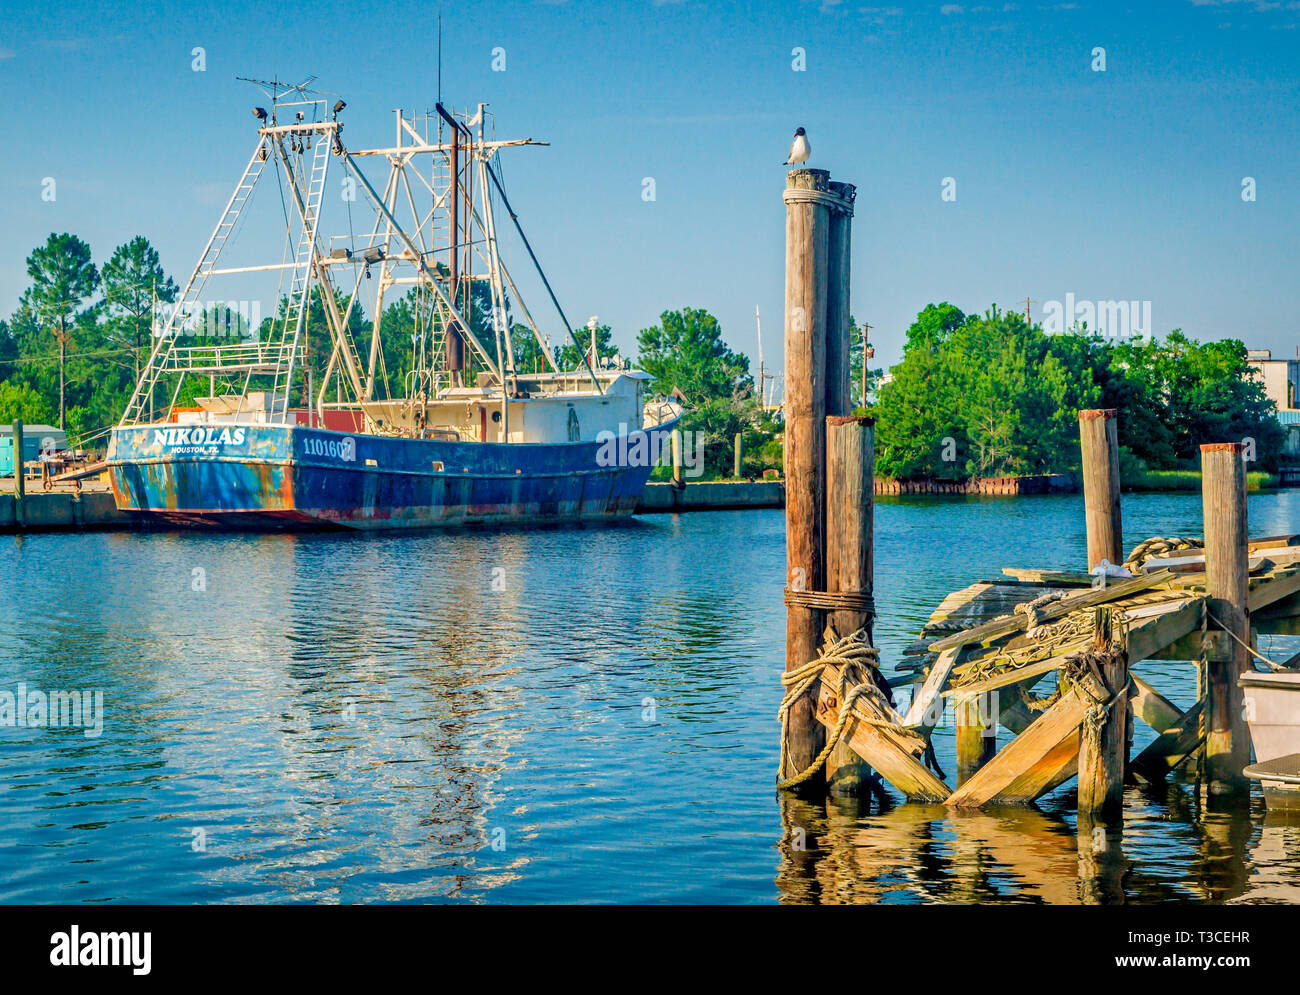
(63, 276)
(134, 285)
(20, 401)
(685, 352)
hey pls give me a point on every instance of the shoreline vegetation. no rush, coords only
(974, 398)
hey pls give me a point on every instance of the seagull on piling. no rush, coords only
(800, 150)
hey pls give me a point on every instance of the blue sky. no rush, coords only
(1117, 185)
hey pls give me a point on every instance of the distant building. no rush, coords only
(1280, 378)
(37, 440)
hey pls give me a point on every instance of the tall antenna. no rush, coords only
(439, 53)
(762, 379)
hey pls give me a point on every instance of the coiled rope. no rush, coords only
(851, 649)
(1148, 548)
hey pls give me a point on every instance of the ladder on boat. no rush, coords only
(304, 270)
(162, 360)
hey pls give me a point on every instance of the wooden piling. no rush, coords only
(20, 480)
(976, 729)
(850, 466)
(1099, 441)
(807, 212)
(1103, 740)
(739, 468)
(1223, 507)
(839, 388)
(676, 440)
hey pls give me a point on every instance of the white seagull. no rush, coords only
(800, 150)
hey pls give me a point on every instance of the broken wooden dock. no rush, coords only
(988, 647)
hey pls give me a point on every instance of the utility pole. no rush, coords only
(1028, 302)
(866, 354)
(762, 375)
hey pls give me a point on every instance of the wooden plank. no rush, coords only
(894, 753)
(1033, 762)
(920, 713)
(1016, 676)
(1171, 747)
(1148, 636)
(1086, 599)
(1051, 578)
(1265, 591)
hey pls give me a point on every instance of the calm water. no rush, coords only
(568, 715)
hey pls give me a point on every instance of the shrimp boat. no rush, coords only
(447, 406)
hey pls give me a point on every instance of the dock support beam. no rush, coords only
(1103, 739)
(807, 228)
(1223, 499)
(1099, 441)
(20, 480)
(850, 466)
(976, 730)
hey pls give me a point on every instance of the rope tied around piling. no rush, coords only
(850, 650)
(1148, 548)
(1092, 663)
(853, 601)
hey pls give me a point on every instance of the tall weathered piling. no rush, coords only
(807, 229)
(850, 467)
(1223, 507)
(839, 389)
(1099, 442)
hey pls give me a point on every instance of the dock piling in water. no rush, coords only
(850, 468)
(1223, 497)
(807, 228)
(817, 232)
(1099, 445)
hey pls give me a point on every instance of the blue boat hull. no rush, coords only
(295, 477)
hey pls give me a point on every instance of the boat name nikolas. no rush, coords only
(210, 436)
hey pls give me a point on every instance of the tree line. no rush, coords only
(992, 395)
(974, 395)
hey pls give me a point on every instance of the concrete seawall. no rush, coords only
(62, 510)
(65, 510)
(707, 496)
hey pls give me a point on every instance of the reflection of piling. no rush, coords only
(1223, 500)
(20, 482)
(1099, 442)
